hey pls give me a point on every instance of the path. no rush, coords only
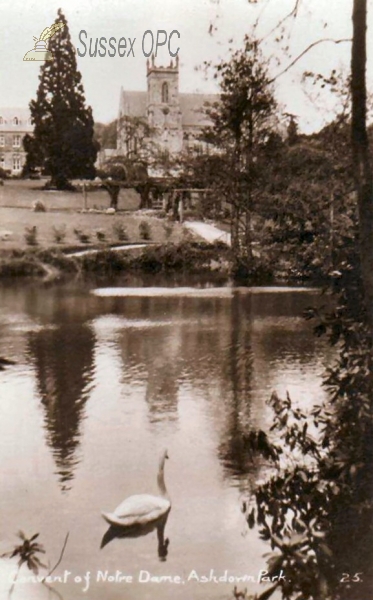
(209, 232)
(79, 253)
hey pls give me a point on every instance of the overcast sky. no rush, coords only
(20, 20)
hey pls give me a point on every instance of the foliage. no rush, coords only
(306, 204)
(188, 256)
(120, 231)
(145, 230)
(258, 271)
(106, 134)
(243, 117)
(294, 198)
(319, 493)
(20, 266)
(31, 235)
(63, 142)
(123, 171)
(134, 134)
(38, 206)
(101, 235)
(27, 553)
(59, 234)
(337, 86)
(82, 236)
(242, 122)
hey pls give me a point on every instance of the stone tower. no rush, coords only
(163, 106)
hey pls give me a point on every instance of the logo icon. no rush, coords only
(40, 51)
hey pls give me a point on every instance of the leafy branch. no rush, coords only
(27, 552)
(295, 60)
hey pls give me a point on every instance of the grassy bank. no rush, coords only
(81, 229)
(54, 263)
(191, 257)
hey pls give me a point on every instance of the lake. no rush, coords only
(106, 377)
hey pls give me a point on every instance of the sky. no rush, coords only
(205, 28)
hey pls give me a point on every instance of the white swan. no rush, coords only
(143, 508)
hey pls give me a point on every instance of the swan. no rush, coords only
(143, 508)
(136, 531)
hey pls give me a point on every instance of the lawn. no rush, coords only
(22, 193)
(64, 214)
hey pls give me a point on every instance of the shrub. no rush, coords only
(101, 235)
(105, 262)
(59, 234)
(145, 230)
(120, 231)
(30, 235)
(39, 206)
(20, 266)
(58, 260)
(83, 237)
(190, 256)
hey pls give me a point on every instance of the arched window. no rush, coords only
(15, 121)
(1, 121)
(165, 92)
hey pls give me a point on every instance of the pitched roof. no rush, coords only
(134, 104)
(8, 113)
(192, 108)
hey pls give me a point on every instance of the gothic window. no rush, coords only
(165, 92)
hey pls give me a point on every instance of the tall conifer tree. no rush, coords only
(63, 141)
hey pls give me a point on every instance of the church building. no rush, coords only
(162, 119)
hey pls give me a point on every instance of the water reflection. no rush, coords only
(105, 382)
(227, 349)
(238, 371)
(63, 360)
(162, 387)
(5, 362)
(136, 531)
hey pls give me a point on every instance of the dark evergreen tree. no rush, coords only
(63, 142)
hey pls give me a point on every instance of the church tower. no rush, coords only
(163, 105)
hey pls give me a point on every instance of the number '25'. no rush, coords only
(347, 578)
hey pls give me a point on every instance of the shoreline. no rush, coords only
(52, 263)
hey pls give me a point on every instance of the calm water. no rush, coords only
(103, 383)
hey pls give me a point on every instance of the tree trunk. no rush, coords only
(113, 191)
(248, 239)
(144, 191)
(360, 150)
